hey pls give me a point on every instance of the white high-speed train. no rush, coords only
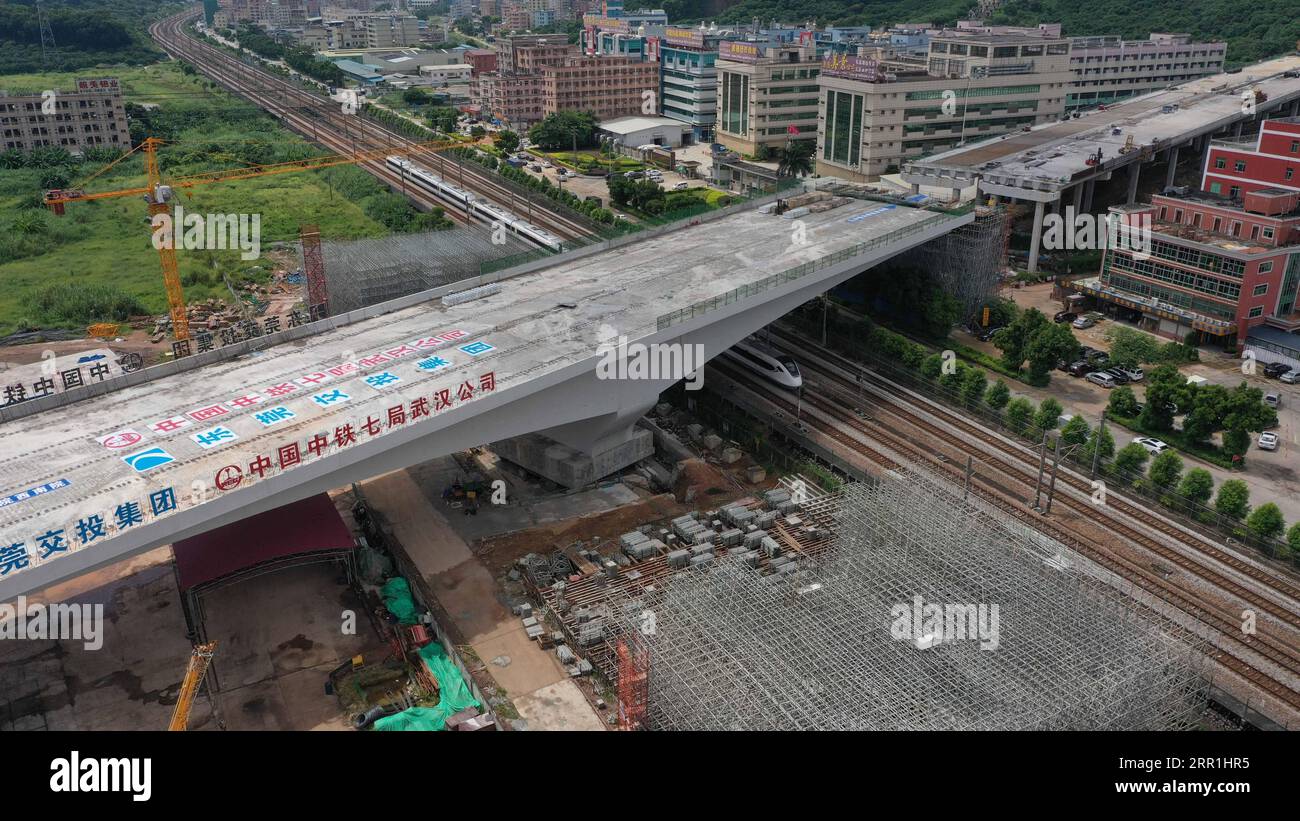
(476, 207)
(767, 362)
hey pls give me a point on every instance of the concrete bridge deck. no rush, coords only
(96, 480)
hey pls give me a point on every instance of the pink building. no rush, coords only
(1223, 262)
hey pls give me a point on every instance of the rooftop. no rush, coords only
(628, 125)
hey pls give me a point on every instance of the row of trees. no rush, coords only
(1191, 492)
(1208, 409)
(1129, 348)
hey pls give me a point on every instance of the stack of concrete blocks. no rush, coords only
(775, 496)
(679, 558)
(711, 441)
(730, 537)
(695, 431)
(771, 547)
(636, 545)
(737, 515)
(702, 558)
(753, 539)
(766, 519)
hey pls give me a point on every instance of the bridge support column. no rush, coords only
(577, 454)
(574, 467)
(1134, 171)
(1088, 188)
(1078, 197)
(1236, 132)
(1173, 166)
(1036, 237)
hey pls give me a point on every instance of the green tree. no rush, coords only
(1100, 437)
(1020, 412)
(1048, 416)
(1197, 486)
(952, 381)
(998, 395)
(1014, 339)
(1266, 521)
(565, 130)
(1123, 403)
(796, 158)
(478, 132)
(1132, 459)
(507, 141)
(932, 366)
(1233, 499)
(1049, 345)
(444, 118)
(973, 385)
(1166, 469)
(1293, 539)
(1130, 348)
(1076, 431)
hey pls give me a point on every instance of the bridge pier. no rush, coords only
(575, 462)
(1078, 197)
(1036, 237)
(1173, 167)
(1134, 171)
(1087, 195)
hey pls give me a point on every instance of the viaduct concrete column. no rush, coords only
(1237, 129)
(1088, 188)
(1173, 166)
(1036, 237)
(1134, 171)
(916, 188)
(1078, 197)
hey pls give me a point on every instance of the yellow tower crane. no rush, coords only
(158, 196)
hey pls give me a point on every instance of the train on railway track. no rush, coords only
(475, 207)
(766, 362)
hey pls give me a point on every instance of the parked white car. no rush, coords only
(1290, 377)
(1267, 441)
(1101, 378)
(1154, 446)
(681, 186)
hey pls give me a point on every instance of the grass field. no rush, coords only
(105, 245)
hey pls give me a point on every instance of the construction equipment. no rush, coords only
(158, 196)
(199, 661)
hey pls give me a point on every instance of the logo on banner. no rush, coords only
(146, 460)
(122, 439)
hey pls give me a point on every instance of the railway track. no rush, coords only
(995, 491)
(1286, 602)
(321, 120)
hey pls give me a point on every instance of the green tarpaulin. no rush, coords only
(453, 691)
(397, 598)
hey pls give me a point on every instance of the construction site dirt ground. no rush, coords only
(279, 636)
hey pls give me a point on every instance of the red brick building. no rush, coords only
(1223, 262)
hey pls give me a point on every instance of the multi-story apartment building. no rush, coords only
(388, 30)
(689, 78)
(1111, 69)
(609, 87)
(1226, 267)
(1270, 160)
(527, 52)
(878, 113)
(767, 94)
(513, 93)
(91, 116)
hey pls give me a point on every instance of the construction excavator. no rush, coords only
(198, 668)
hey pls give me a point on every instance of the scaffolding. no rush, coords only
(968, 262)
(731, 646)
(359, 273)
